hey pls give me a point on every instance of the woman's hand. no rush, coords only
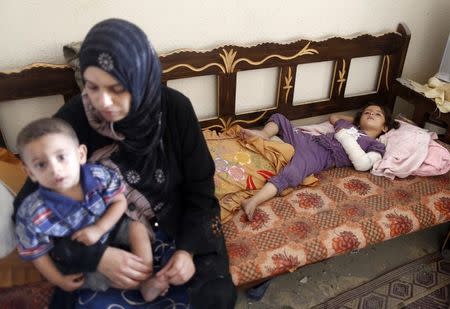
(124, 269)
(71, 282)
(179, 269)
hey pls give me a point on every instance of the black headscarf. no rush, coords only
(122, 49)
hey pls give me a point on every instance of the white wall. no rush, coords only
(35, 31)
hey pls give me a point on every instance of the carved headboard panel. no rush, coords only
(226, 61)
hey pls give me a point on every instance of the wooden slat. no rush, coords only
(36, 81)
(286, 85)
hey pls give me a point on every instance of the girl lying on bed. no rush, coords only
(353, 144)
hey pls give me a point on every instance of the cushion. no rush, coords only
(7, 239)
(12, 177)
(13, 270)
(347, 211)
(71, 52)
(317, 129)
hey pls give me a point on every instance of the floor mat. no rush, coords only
(424, 283)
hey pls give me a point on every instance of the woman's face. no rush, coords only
(107, 95)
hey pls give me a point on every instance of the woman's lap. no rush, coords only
(176, 297)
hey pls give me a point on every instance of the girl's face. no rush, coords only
(107, 95)
(372, 118)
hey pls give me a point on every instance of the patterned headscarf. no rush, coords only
(122, 49)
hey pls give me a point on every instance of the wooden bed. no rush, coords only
(349, 209)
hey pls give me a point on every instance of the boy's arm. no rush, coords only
(91, 234)
(47, 268)
(113, 214)
(335, 117)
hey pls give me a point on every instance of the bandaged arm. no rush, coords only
(361, 160)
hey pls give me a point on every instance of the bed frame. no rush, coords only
(225, 62)
(41, 79)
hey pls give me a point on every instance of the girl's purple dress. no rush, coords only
(315, 153)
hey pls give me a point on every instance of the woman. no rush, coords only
(151, 134)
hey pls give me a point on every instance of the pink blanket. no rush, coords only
(410, 150)
(437, 161)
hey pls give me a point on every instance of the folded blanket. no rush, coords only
(244, 166)
(437, 161)
(436, 90)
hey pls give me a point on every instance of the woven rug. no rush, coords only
(424, 283)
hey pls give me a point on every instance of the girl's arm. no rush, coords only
(361, 160)
(335, 117)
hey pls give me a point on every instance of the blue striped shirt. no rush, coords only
(45, 214)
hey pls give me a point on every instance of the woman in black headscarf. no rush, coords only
(149, 132)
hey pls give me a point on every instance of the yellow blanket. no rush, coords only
(244, 166)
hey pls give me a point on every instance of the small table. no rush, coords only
(424, 108)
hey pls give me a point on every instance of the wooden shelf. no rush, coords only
(425, 109)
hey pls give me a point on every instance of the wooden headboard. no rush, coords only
(225, 62)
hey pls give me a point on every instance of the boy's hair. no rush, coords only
(41, 127)
(389, 120)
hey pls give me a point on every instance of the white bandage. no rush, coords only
(361, 160)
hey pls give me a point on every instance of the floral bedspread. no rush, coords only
(348, 210)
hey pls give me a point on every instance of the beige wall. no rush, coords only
(35, 31)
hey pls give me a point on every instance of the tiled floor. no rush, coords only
(313, 284)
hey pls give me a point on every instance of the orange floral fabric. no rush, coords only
(348, 210)
(244, 166)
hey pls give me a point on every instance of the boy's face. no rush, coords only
(53, 161)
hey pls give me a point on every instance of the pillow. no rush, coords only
(13, 270)
(71, 52)
(7, 239)
(317, 129)
(12, 178)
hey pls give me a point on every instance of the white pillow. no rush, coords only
(7, 233)
(317, 129)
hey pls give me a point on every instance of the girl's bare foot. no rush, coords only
(248, 134)
(153, 287)
(249, 208)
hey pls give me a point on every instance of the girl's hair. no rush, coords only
(389, 121)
